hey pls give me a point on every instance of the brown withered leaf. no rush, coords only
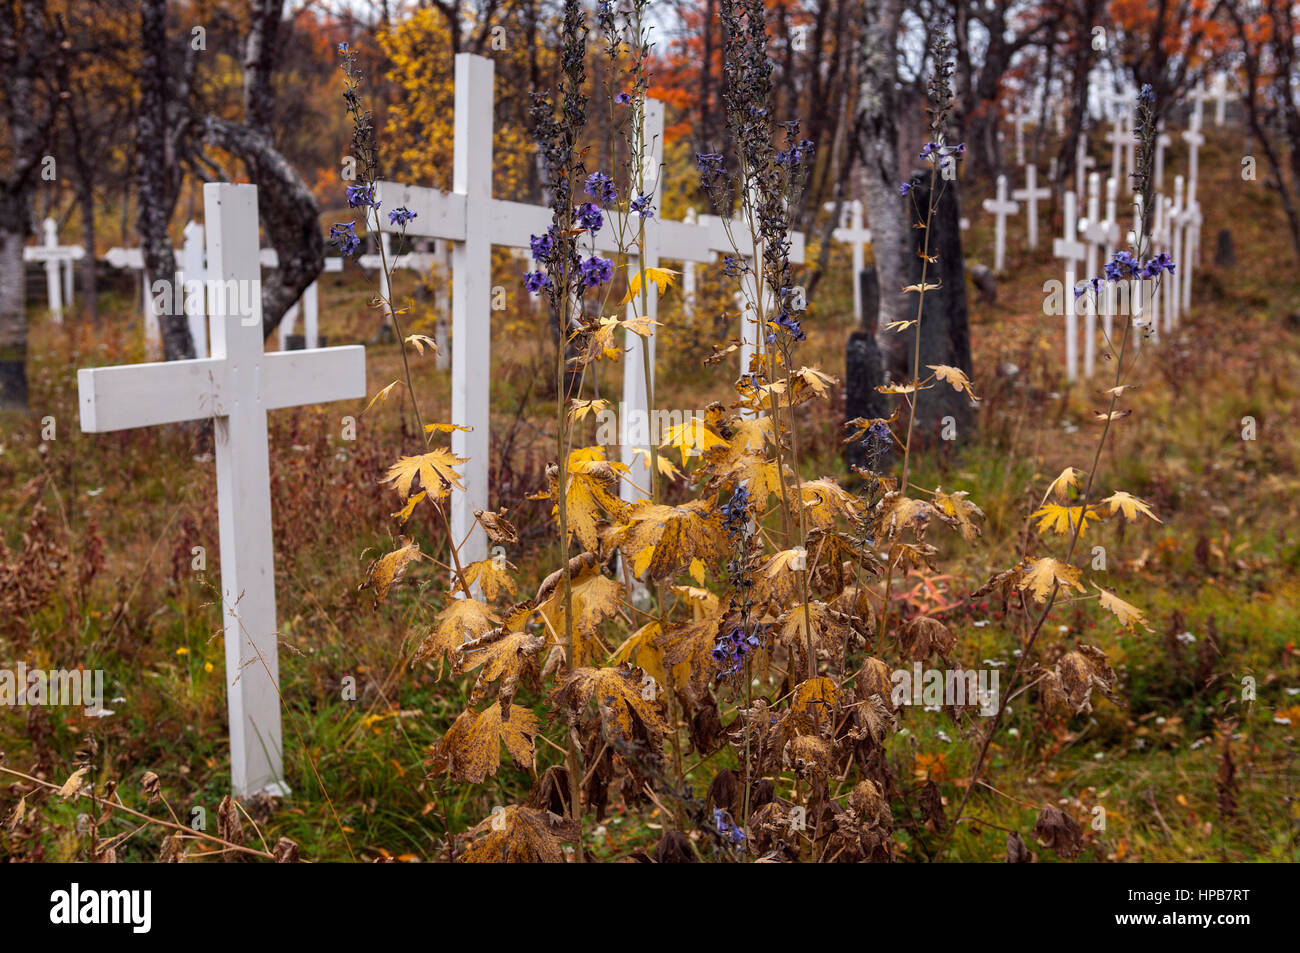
(691, 645)
(1059, 831)
(387, 569)
(824, 500)
(500, 531)
(813, 703)
(959, 512)
(932, 806)
(518, 835)
(808, 756)
(620, 693)
(503, 655)
(1017, 852)
(230, 827)
(674, 848)
(492, 576)
(875, 678)
(897, 512)
(470, 751)
(870, 805)
(1077, 674)
(921, 636)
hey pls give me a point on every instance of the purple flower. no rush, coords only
(542, 245)
(1122, 265)
(344, 237)
(708, 161)
(343, 48)
(589, 217)
(362, 196)
(735, 512)
(1093, 284)
(734, 267)
(623, 99)
(641, 205)
(727, 829)
(400, 216)
(596, 271)
(1154, 266)
(601, 188)
(905, 188)
(536, 281)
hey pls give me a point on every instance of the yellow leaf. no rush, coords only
(697, 571)
(471, 749)
(1129, 616)
(666, 465)
(1063, 519)
(382, 396)
(73, 784)
(405, 512)
(446, 428)
(691, 437)
(579, 409)
(502, 655)
(922, 287)
(1042, 575)
(1069, 478)
(661, 277)
(434, 470)
(630, 709)
(492, 575)
(1130, 506)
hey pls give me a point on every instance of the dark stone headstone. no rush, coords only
(864, 367)
(1225, 256)
(869, 290)
(296, 342)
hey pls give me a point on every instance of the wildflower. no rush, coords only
(1093, 284)
(641, 205)
(601, 188)
(734, 267)
(596, 271)
(343, 236)
(362, 196)
(709, 161)
(536, 281)
(400, 216)
(541, 245)
(735, 512)
(727, 829)
(905, 187)
(589, 217)
(343, 48)
(1154, 266)
(1147, 94)
(623, 99)
(1122, 265)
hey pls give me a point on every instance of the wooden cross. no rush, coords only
(235, 388)
(688, 273)
(1030, 195)
(58, 258)
(1069, 248)
(1098, 233)
(1177, 240)
(1001, 207)
(1163, 142)
(1082, 163)
(473, 221)
(1117, 137)
(856, 235)
(1194, 139)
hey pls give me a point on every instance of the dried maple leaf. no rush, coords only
(691, 437)
(954, 376)
(1129, 616)
(688, 652)
(1130, 506)
(897, 512)
(463, 620)
(434, 470)
(955, 510)
(499, 529)
(825, 499)
(661, 278)
(492, 575)
(664, 539)
(387, 569)
(1059, 831)
(592, 493)
(621, 696)
(810, 382)
(1043, 575)
(502, 654)
(920, 637)
(1061, 485)
(518, 835)
(470, 751)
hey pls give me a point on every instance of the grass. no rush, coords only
(123, 512)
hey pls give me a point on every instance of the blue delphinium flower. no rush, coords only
(1154, 266)
(641, 205)
(1088, 284)
(1122, 265)
(623, 99)
(601, 188)
(536, 281)
(709, 161)
(905, 187)
(734, 267)
(731, 649)
(400, 216)
(727, 829)
(542, 245)
(735, 512)
(344, 237)
(362, 196)
(343, 48)
(596, 271)
(588, 216)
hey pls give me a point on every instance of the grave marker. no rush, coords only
(1001, 207)
(235, 387)
(1030, 195)
(1069, 248)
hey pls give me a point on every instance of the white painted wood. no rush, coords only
(1069, 248)
(235, 387)
(855, 234)
(1095, 231)
(688, 274)
(1177, 233)
(1082, 163)
(1000, 207)
(1031, 194)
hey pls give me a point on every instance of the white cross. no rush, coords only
(1082, 163)
(1178, 239)
(1163, 142)
(1001, 207)
(235, 388)
(57, 258)
(1117, 137)
(688, 273)
(1194, 139)
(856, 235)
(1030, 195)
(1069, 248)
(1098, 233)
(1218, 91)
(1112, 240)
(473, 221)
(1191, 241)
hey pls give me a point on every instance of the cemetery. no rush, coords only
(487, 441)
